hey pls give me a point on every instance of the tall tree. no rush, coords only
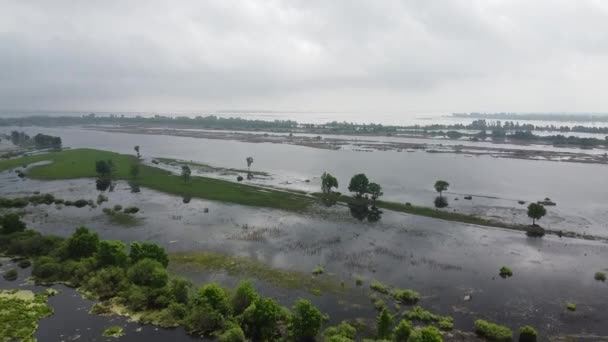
(186, 172)
(441, 186)
(536, 211)
(358, 184)
(249, 161)
(327, 182)
(136, 148)
(375, 190)
(384, 321)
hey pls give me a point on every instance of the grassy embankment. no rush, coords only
(80, 163)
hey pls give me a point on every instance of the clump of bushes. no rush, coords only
(426, 334)
(379, 287)
(527, 334)
(342, 332)
(493, 331)
(600, 276)
(422, 315)
(239, 178)
(131, 210)
(571, 307)
(114, 331)
(505, 272)
(11, 274)
(118, 207)
(318, 270)
(406, 296)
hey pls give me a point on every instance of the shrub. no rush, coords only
(244, 295)
(341, 332)
(406, 296)
(115, 331)
(11, 274)
(492, 331)
(112, 253)
(259, 320)
(527, 334)
(571, 307)
(82, 243)
(11, 223)
(600, 276)
(318, 270)
(305, 321)
(239, 178)
(118, 207)
(148, 272)
(426, 334)
(446, 323)
(379, 305)
(141, 250)
(402, 331)
(180, 289)
(420, 314)
(214, 296)
(379, 287)
(358, 280)
(46, 269)
(80, 203)
(107, 282)
(505, 272)
(232, 334)
(383, 323)
(25, 263)
(131, 210)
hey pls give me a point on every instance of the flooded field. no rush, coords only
(443, 261)
(496, 184)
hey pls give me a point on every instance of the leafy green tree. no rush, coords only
(148, 272)
(214, 296)
(426, 334)
(327, 182)
(83, 243)
(111, 253)
(244, 296)
(306, 320)
(233, 333)
(259, 320)
(536, 211)
(375, 190)
(249, 161)
(358, 184)
(384, 321)
(180, 289)
(104, 168)
(142, 250)
(441, 186)
(107, 282)
(11, 223)
(186, 172)
(342, 332)
(402, 331)
(134, 170)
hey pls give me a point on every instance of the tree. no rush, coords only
(306, 320)
(83, 243)
(426, 334)
(384, 321)
(259, 320)
(11, 223)
(104, 168)
(536, 211)
(358, 184)
(402, 331)
(249, 161)
(142, 250)
(327, 182)
(186, 172)
(111, 253)
(107, 282)
(136, 148)
(214, 296)
(180, 289)
(244, 296)
(134, 171)
(441, 186)
(148, 272)
(375, 190)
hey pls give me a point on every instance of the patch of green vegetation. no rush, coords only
(407, 296)
(527, 334)
(246, 267)
(571, 307)
(121, 218)
(600, 276)
(493, 331)
(505, 272)
(379, 305)
(80, 163)
(208, 168)
(318, 270)
(20, 313)
(359, 280)
(422, 315)
(10, 275)
(114, 331)
(379, 287)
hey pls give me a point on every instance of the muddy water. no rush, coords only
(444, 261)
(406, 177)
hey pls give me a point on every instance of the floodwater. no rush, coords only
(497, 184)
(444, 261)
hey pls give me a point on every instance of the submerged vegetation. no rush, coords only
(493, 331)
(20, 312)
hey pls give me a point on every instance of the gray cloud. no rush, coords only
(160, 55)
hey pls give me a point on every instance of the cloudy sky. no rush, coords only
(308, 55)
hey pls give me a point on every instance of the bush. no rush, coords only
(239, 178)
(426, 334)
(492, 331)
(244, 296)
(112, 253)
(11, 274)
(379, 287)
(80, 203)
(318, 270)
(11, 223)
(82, 243)
(341, 332)
(259, 320)
(107, 282)
(214, 296)
(131, 210)
(180, 289)
(384, 321)
(305, 321)
(141, 250)
(505, 272)
(406, 296)
(25, 263)
(600, 276)
(441, 202)
(527, 334)
(571, 307)
(233, 334)
(148, 272)
(118, 207)
(402, 331)
(46, 269)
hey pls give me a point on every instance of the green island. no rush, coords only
(20, 311)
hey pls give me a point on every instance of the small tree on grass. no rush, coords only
(136, 148)
(384, 323)
(186, 172)
(441, 186)
(358, 184)
(327, 182)
(104, 168)
(536, 211)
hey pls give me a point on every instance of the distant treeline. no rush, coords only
(536, 116)
(39, 141)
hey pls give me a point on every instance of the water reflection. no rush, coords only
(361, 211)
(103, 184)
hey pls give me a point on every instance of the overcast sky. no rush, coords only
(308, 55)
